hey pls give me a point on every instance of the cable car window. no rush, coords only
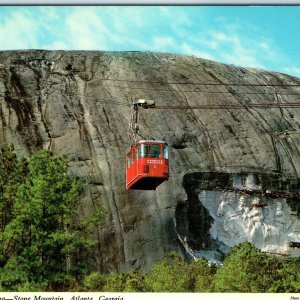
(154, 151)
(137, 153)
(166, 152)
(128, 160)
(143, 150)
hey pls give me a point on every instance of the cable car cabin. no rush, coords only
(147, 165)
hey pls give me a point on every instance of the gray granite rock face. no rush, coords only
(78, 103)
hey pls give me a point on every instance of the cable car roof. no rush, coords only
(148, 141)
(151, 141)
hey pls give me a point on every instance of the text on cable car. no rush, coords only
(154, 161)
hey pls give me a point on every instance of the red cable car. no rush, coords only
(147, 165)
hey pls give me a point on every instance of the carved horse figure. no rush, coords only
(232, 223)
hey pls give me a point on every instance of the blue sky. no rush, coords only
(262, 37)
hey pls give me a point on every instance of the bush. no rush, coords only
(169, 275)
(94, 282)
(201, 275)
(289, 278)
(247, 269)
(135, 282)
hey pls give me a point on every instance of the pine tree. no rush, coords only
(169, 275)
(12, 172)
(201, 275)
(43, 236)
(247, 269)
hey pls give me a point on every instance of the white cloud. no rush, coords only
(57, 45)
(18, 31)
(49, 13)
(227, 47)
(240, 52)
(294, 71)
(85, 30)
(264, 45)
(163, 43)
(187, 49)
(236, 47)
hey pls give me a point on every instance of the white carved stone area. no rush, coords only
(267, 223)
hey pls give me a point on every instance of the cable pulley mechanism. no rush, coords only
(134, 126)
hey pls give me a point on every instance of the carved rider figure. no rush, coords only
(279, 218)
(256, 228)
(242, 208)
(232, 224)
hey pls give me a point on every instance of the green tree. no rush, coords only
(12, 172)
(41, 244)
(132, 281)
(94, 282)
(201, 275)
(169, 275)
(247, 269)
(114, 282)
(135, 282)
(289, 278)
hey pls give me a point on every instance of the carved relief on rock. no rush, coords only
(267, 223)
(232, 223)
